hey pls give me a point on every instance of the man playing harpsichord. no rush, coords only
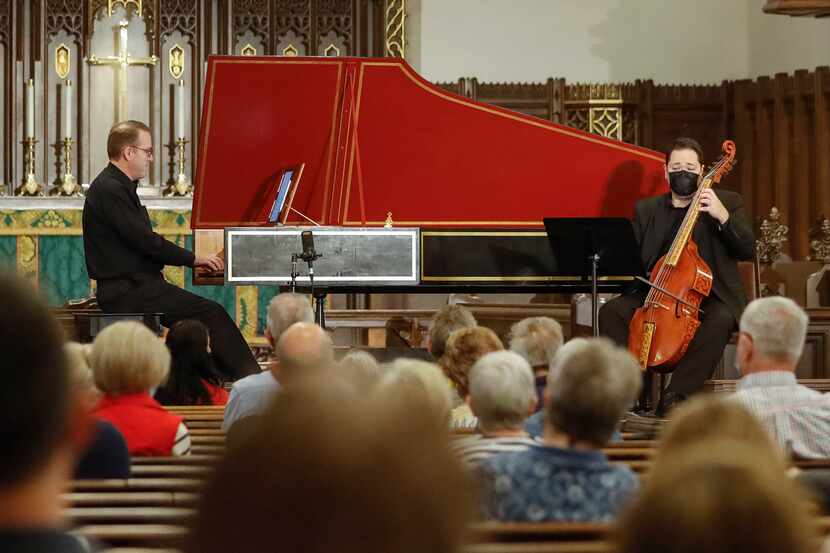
(126, 257)
(723, 236)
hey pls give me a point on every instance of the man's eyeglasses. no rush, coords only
(147, 151)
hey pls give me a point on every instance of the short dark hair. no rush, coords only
(123, 134)
(35, 404)
(685, 143)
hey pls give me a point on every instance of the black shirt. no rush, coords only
(106, 457)
(656, 222)
(674, 218)
(118, 238)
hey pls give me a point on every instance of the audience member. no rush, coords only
(333, 472)
(107, 455)
(537, 339)
(417, 383)
(714, 417)
(718, 497)
(128, 361)
(360, 369)
(772, 333)
(193, 378)
(43, 429)
(534, 425)
(303, 350)
(566, 477)
(465, 347)
(502, 394)
(252, 394)
(447, 320)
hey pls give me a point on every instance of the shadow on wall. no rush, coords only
(673, 42)
(623, 190)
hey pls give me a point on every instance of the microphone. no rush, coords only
(309, 254)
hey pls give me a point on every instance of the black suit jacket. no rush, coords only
(720, 246)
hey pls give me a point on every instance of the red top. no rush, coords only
(218, 394)
(149, 429)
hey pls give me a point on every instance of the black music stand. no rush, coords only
(592, 248)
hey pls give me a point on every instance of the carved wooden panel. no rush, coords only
(292, 27)
(334, 27)
(178, 15)
(253, 16)
(297, 27)
(64, 15)
(543, 100)
(148, 13)
(5, 21)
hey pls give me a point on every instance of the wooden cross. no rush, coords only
(123, 61)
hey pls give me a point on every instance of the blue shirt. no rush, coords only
(535, 425)
(549, 484)
(249, 396)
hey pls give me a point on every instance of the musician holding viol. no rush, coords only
(720, 235)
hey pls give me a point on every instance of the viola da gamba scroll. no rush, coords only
(661, 330)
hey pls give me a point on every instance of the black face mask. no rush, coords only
(683, 183)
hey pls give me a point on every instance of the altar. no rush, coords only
(42, 240)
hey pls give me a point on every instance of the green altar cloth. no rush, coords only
(45, 245)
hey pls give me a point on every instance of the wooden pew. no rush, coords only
(207, 449)
(170, 470)
(130, 499)
(78, 516)
(141, 535)
(202, 460)
(554, 537)
(540, 547)
(141, 550)
(138, 485)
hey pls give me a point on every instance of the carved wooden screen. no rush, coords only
(306, 27)
(7, 146)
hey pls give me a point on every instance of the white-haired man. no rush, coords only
(534, 425)
(250, 395)
(566, 477)
(537, 339)
(502, 395)
(770, 343)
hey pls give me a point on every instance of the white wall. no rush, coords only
(782, 44)
(670, 41)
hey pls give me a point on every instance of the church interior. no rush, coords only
(433, 148)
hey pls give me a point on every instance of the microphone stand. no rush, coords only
(319, 311)
(294, 273)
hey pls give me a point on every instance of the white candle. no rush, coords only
(122, 40)
(30, 108)
(67, 109)
(179, 97)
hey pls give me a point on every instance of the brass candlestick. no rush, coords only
(29, 186)
(68, 185)
(181, 186)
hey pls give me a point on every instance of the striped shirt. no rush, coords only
(472, 450)
(797, 417)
